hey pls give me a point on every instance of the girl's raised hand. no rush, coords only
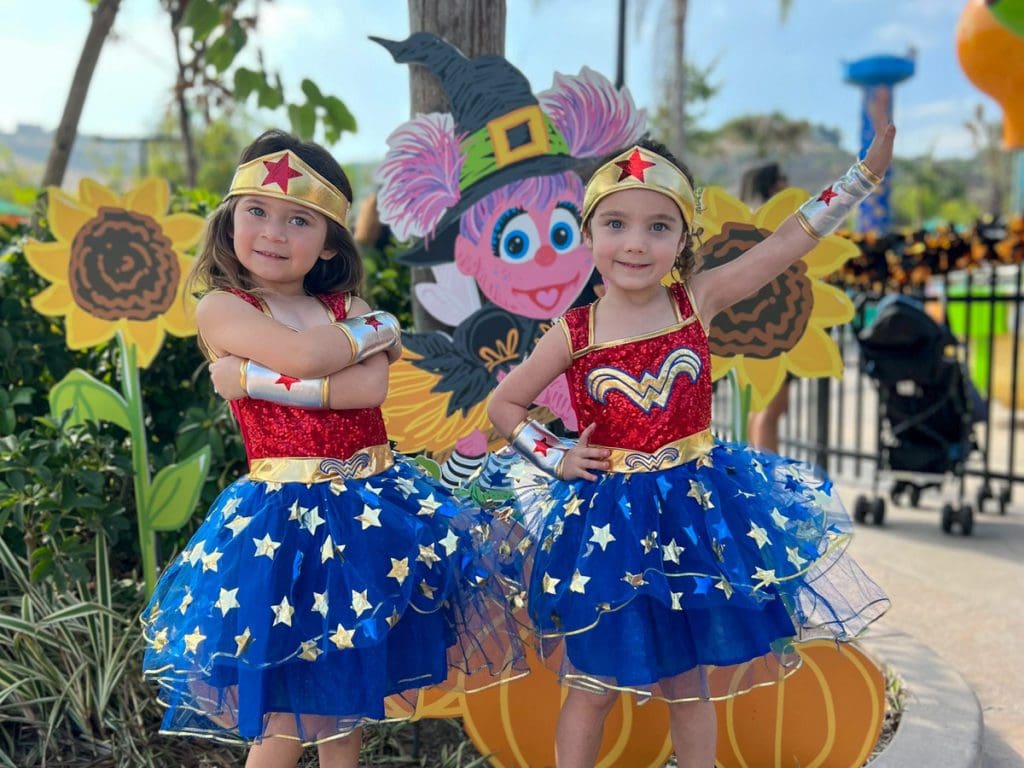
(226, 375)
(583, 457)
(879, 154)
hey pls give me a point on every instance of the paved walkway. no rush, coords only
(963, 597)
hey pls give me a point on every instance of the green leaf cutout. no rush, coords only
(175, 491)
(88, 399)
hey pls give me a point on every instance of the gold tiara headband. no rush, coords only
(286, 176)
(639, 168)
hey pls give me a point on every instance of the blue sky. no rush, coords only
(761, 64)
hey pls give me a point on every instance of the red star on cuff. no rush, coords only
(373, 322)
(827, 195)
(287, 381)
(542, 447)
(279, 172)
(634, 166)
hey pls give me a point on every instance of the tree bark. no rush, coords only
(67, 130)
(184, 114)
(677, 97)
(475, 27)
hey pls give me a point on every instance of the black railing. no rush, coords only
(836, 423)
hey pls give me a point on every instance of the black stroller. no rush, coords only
(926, 410)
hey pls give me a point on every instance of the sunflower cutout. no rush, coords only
(118, 268)
(783, 327)
(117, 264)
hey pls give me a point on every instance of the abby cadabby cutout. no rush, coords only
(492, 191)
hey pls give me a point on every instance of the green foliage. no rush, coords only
(67, 659)
(219, 34)
(217, 145)
(388, 283)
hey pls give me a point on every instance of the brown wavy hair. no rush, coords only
(217, 268)
(686, 261)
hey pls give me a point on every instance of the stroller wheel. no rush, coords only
(860, 509)
(878, 511)
(915, 495)
(985, 492)
(966, 519)
(1004, 500)
(947, 518)
(897, 490)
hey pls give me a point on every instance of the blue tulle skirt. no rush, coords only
(301, 610)
(692, 582)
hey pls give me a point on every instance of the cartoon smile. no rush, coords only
(547, 296)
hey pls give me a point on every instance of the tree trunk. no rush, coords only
(64, 137)
(475, 27)
(677, 96)
(184, 115)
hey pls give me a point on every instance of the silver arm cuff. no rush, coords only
(824, 214)
(264, 384)
(371, 333)
(540, 446)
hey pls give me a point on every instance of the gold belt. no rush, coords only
(366, 462)
(681, 451)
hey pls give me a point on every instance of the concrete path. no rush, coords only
(962, 597)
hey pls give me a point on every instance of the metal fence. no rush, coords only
(836, 423)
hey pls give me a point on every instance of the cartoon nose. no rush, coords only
(545, 256)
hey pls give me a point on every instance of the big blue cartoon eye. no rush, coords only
(565, 228)
(515, 238)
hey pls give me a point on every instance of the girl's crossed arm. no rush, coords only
(231, 326)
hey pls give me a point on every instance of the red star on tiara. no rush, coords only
(279, 172)
(634, 166)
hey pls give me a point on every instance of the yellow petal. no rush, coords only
(779, 208)
(719, 208)
(765, 378)
(94, 194)
(50, 260)
(831, 305)
(147, 337)
(720, 366)
(180, 318)
(815, 355)
(184, 229)
(53, 300)
(66, 215)
(151, 197)
(829, 255)
(84, 330)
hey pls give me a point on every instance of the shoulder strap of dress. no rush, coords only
(684, 300)
(338, 303)
(576, 324)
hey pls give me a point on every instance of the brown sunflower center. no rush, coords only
(766, 323)
(123, 266)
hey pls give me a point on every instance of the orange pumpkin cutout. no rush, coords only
(828, 713)
(515, 725)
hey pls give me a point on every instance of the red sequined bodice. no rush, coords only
(642, 392)
(279, 431)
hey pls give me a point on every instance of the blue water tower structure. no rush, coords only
(874, 74)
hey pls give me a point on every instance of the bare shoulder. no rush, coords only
(357, 306)
(216, 305)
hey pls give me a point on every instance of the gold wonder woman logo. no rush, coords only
(651, 390)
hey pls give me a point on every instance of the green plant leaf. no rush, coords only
(175, 491)
(88, 400)
(247, 81)
(303, 120)
(203, 16)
